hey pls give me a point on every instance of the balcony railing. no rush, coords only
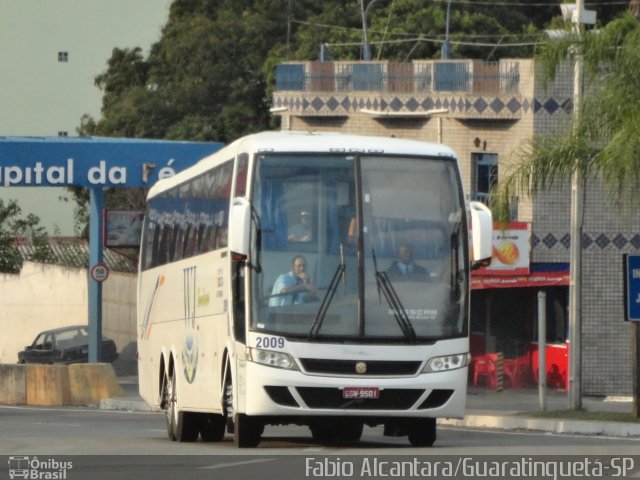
(428, 76)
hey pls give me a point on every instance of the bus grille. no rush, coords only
(348, 367)
(390, 399)
(436, 398)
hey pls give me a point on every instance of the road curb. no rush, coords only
(126, 404)
(585, 427)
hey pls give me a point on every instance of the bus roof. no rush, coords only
(310, 142)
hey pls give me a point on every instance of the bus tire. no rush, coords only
(170, 401)
(213, 427)
(343, 430)
(181, 426)
(247, 431)
(422, 432)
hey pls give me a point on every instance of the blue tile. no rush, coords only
(549, 240)
(602, 241)
(412, 105)
(619, 241)
(551, 106)
(497, 105)
(514, 105)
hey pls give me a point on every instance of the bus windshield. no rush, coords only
(359, 248)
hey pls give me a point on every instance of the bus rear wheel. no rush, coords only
(181, 426)
(422, 432)
(213, 427)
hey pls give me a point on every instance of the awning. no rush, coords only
(541, 275)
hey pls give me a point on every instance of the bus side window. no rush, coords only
(241, 175)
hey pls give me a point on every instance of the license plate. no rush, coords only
(360, 393)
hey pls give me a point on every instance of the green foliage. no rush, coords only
(210, 76)
(604, 141)
(12, 227)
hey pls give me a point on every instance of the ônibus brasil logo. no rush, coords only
(38, 469)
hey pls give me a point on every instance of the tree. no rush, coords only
(604, 141)
(12, 228)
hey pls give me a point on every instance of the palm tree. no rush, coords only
(603, 141)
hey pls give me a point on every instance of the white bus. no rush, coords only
(271, 291)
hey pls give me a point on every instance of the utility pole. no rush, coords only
(575, 275)
(579, 16)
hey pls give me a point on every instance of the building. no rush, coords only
(485, 111)
(52, 53)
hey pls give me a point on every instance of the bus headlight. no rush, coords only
(447, 362)
(272, 359)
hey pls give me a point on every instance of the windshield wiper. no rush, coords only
(455, 260)
(391, 296)
(328, 297)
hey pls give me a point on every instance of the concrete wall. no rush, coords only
(42, 297)
(49, 385)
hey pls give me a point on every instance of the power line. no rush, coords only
(412, 38)
(527, 4)
(439, 41)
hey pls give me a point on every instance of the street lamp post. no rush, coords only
(445, 45)
(366, 48)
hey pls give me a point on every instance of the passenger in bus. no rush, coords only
(301, 231)
(293, 287)
(404, 268)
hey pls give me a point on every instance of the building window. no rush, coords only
(63, 134)
(485, 166)
(63, 56)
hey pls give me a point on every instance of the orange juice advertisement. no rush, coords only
(510, 250)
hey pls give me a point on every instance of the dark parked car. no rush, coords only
(65, 345)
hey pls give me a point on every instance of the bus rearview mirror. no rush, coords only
(481, 234)
(239, 228)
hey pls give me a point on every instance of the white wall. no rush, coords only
(42, 297)
(41, 96)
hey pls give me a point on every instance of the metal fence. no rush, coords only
(468, 76)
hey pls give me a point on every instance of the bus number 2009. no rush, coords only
(270, 342)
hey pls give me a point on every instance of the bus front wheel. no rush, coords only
(247, 431)
(422, 432)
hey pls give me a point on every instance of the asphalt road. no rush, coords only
(86, 443)
(87, 431)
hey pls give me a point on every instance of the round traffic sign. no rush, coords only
(99, 272)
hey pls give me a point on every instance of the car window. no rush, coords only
(48, 342)
(74, 337)
(39, 342)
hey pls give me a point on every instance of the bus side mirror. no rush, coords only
(239, 228)
(481, 235)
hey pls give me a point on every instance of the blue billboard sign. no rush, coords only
(94, 162)
(632, 287)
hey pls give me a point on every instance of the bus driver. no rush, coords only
(292, 287)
